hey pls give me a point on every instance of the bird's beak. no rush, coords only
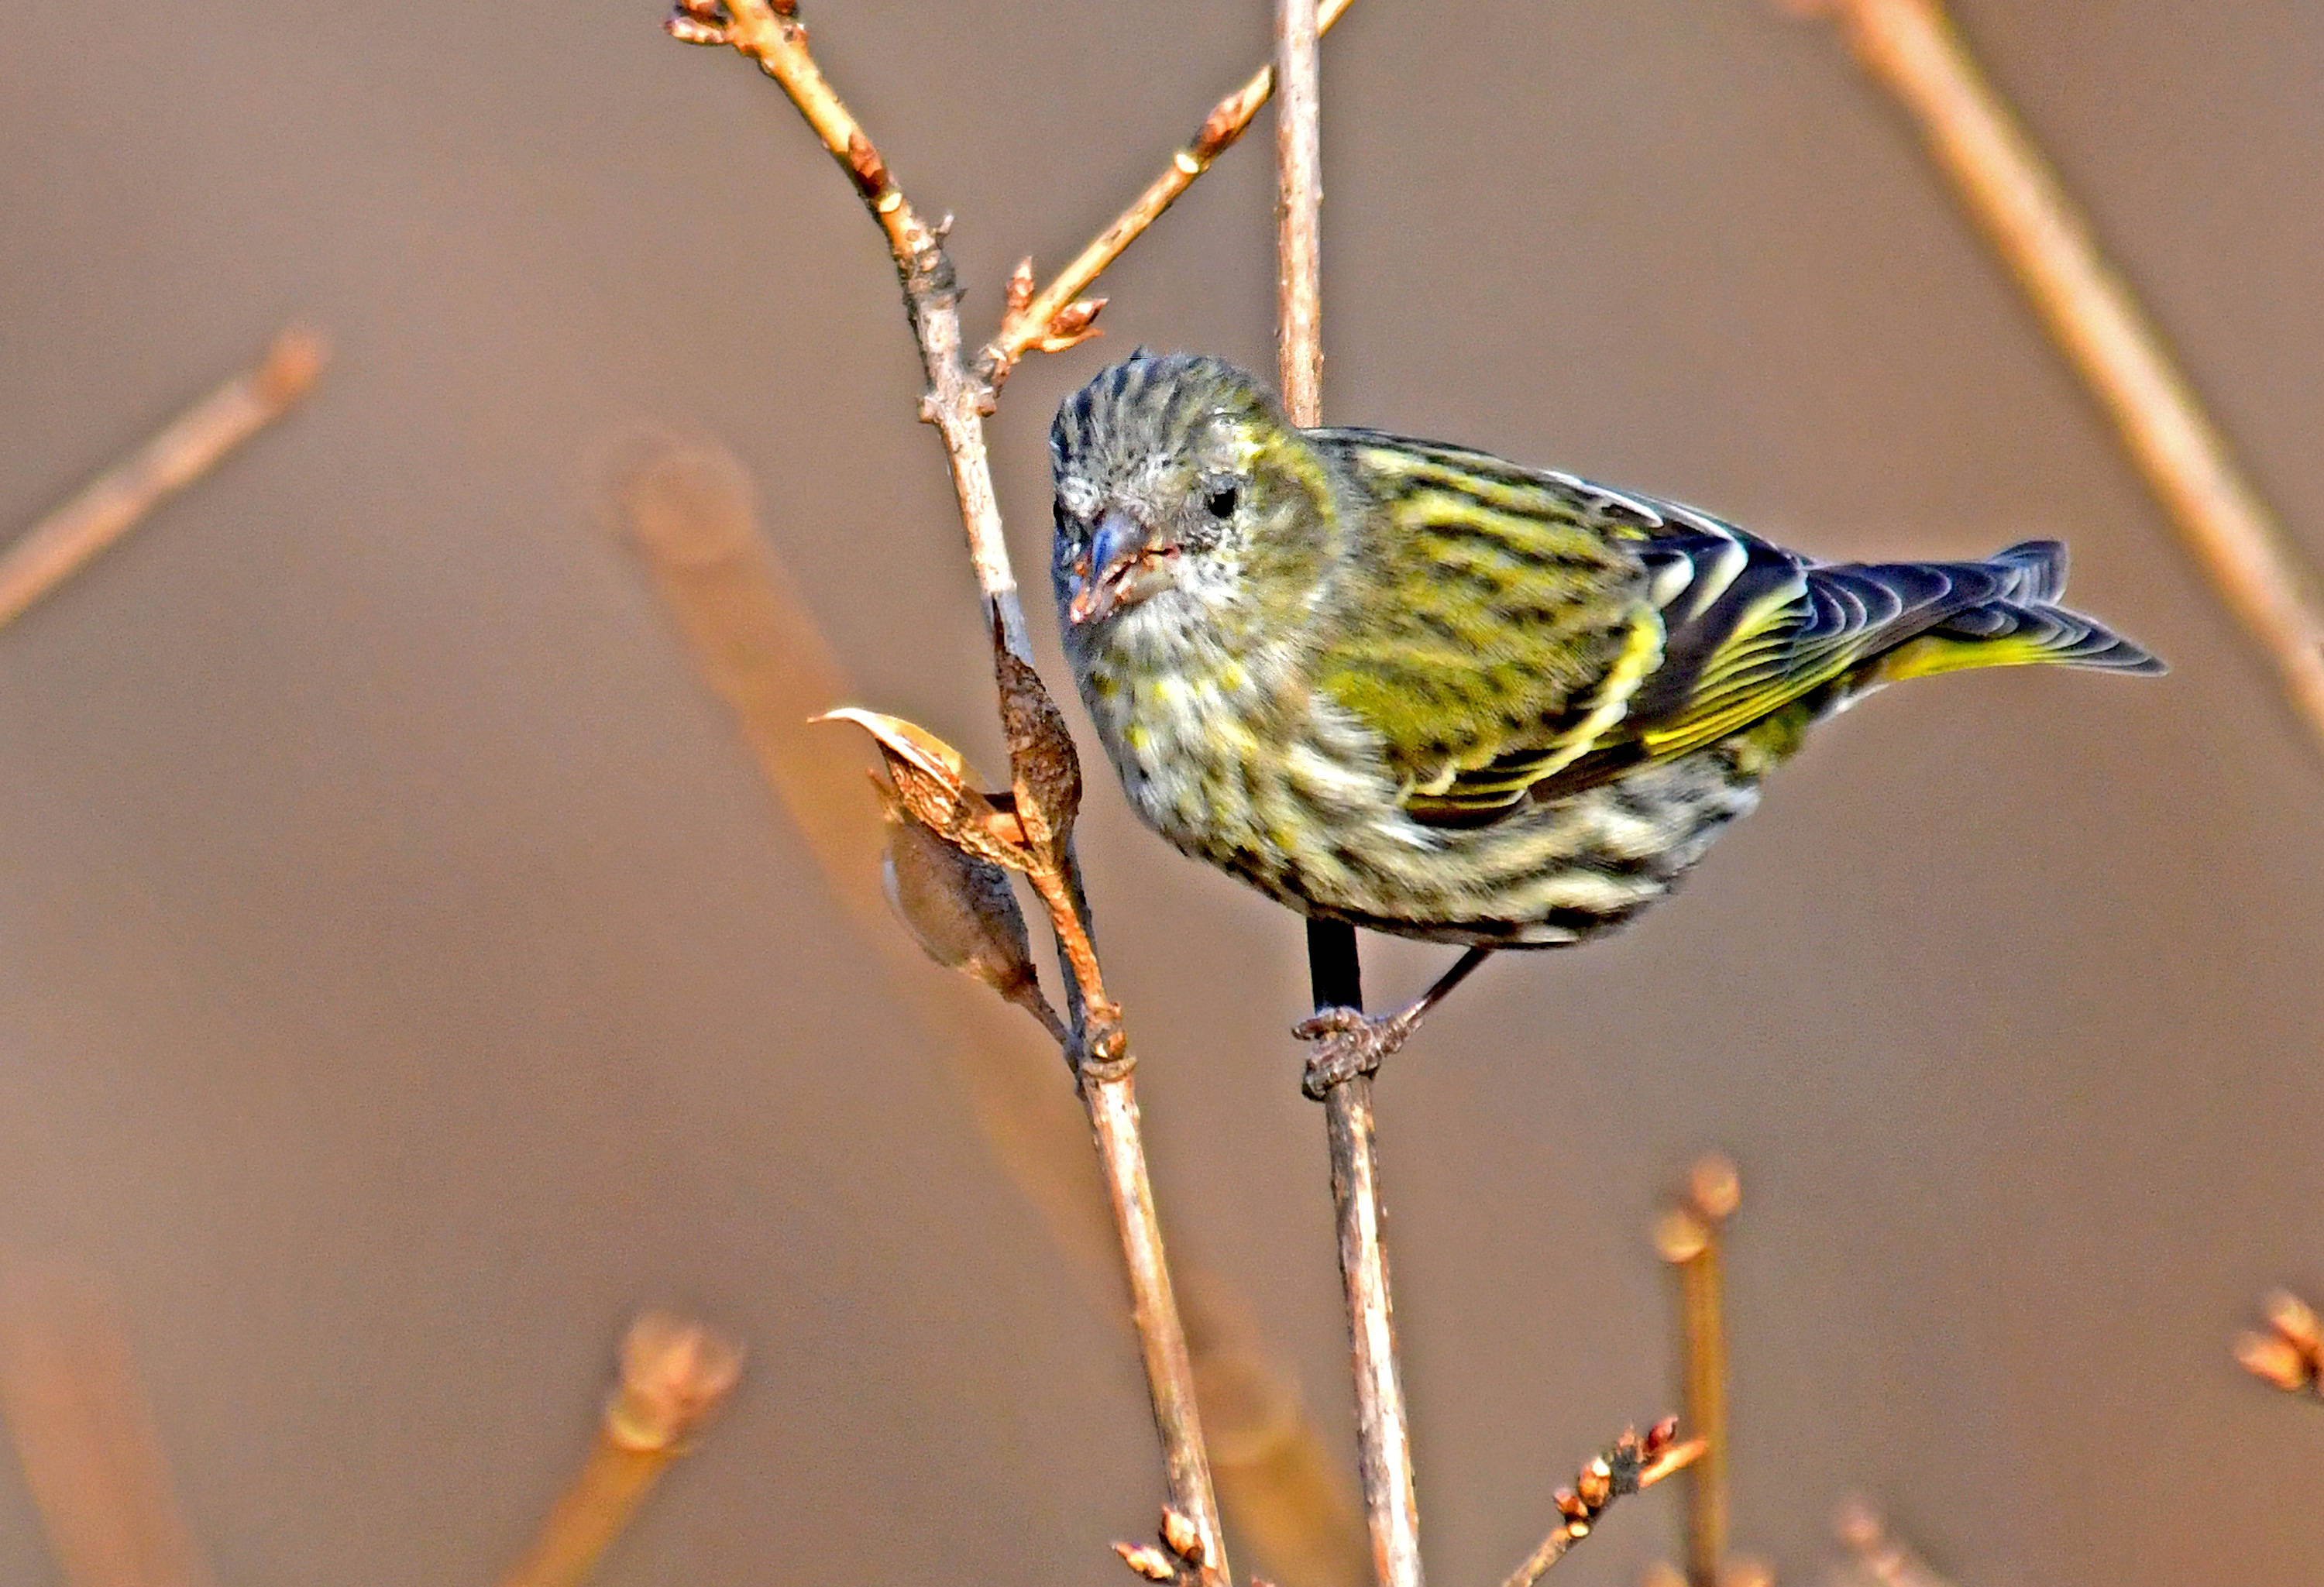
(1122, 568)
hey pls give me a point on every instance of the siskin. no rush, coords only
(1420, 689)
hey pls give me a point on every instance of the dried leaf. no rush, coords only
(931, 781)
(1045, 771)
(962, 910)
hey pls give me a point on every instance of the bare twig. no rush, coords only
(1383, 1431)
(1688, 1238)
(1051, 318)
(1632, 1464)
(2288, 1354)
(1911, 48)
(84, 1431)
(955, 403)
(1298, 211)
(675, 1376)
(113, 504)
(1880, 1560)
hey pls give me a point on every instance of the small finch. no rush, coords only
(1420, 689)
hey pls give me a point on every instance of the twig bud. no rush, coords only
(2295, 1319)
(1714, 1188)
(675, 1376)
(1680, 1236)
(2275, 1360)
(1018, 295)
(1184, 1537)
(1147, 1561)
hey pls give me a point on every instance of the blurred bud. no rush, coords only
(1019, 296)
(1147, 1561)
(1680, 1236)
(1661, 1435)
(1714, 1188)
(2274, 1359)
(675, 1376)
(1185, 1539)
(2294, 1318)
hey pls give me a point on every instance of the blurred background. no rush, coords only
(405, 972)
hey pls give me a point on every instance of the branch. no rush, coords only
(1051, 319)
(1688, 1238)
(675, 1377)
(1632, 1464)
(1041, 751)
(1383, 1430)
(84, 1431)
(2001, 179)
(113, 504)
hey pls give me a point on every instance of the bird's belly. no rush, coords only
(1307, 813)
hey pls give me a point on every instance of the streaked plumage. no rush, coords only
(1431, 692)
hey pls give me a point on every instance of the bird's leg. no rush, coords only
(1350, 1042)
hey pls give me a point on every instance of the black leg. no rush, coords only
(1350, 1042)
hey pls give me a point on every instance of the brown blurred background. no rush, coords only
(404, 972)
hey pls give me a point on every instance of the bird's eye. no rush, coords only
(1222, 501)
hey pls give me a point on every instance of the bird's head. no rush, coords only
(1183, 500)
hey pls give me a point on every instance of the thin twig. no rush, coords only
(675, 1377)
(1632, 1464)
(1688, 1238)
(1298, 212)
(1383, 1431)
(84, 1431)
(955, 401)
(1032, 320)
(1913, 50)
(113, 504)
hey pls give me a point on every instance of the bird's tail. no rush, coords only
(2020, 626)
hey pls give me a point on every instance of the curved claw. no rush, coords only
(1348, 1042)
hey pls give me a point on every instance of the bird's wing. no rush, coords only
(1544, 634)
(1489, 622)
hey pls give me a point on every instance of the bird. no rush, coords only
(1423, 690)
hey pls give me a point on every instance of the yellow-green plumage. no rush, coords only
(1428, 691)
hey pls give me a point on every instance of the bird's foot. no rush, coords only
(1349, 1042)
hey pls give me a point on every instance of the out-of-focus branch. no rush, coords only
(1632, 1464)
(1041, 752)
(84, 1431)
(2288, 1354)
(1042, 320)
(1688, 1238)
(1912, 49)
(1877, 1558)
(675, 1376)
(113, 504)
(688, 509)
